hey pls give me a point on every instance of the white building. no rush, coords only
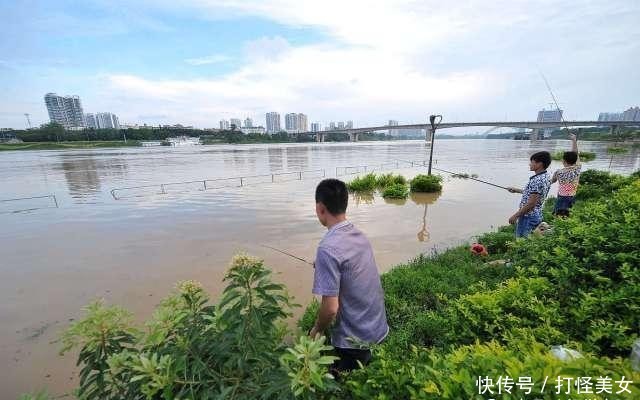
(303, 125)
(107, 120)
(549, 116)
(224, 125)
(65, 110)
(349, 125)
(340, 125)
(393, 132)
(235, 122)
(291, 122)
(248, 123)
(315, 127)
(273, 122)
(609, 116)
(632, 114)
(90, 121)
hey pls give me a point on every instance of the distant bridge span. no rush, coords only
(354, 132)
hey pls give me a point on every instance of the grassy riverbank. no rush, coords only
(454, 316)
(67, 145)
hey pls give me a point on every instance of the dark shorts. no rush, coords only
(348, 359)
(563, 203)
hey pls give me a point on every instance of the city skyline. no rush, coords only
(402, 60)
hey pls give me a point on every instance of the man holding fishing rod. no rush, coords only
(529, 214)
(347, 278)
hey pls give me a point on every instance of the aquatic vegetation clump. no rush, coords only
(365, 183)
(426, 183)
(385, 180)
(396, 191)
(617, 150)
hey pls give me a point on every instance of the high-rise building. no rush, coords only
(224, 125)
(332, 126)
(273, 122)
(90, 120)
(549, 116)
(235, 122)
(303, 125)
(340, 125)
(393, 132)
(107, 120)
(609, 116)
(291, 122)
(349, 125)
(65, 110)
(315, 127)
(248, 123)
(632, 114)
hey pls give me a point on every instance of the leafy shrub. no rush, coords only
(498, 242)
(599, 184)
(386, 180)
(191, 349)
(617, 150)
(365, 183)
(433, 374)
(591, 259)
(426, 183)
(396, 191)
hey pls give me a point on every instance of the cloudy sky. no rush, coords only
(196, 61)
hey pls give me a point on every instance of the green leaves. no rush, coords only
(306, 365)
(192, 349)
(426, 183)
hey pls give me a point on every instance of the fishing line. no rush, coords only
(288, 254)
(472, 178)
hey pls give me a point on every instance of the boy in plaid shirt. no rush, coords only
(568, 179)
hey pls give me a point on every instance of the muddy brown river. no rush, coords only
(133, 249)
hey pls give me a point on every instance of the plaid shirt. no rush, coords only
(538, 184)
(568, 179)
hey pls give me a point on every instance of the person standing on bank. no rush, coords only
(529, 214)
(347, 278)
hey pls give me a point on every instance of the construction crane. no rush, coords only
(28, 120)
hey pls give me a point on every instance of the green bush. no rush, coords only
(365, 183)
(599, 184)
(195, 350)
(426, 183)
(396, 191)
(385, 180)
(432, 374)
(617, 150)
(500, 241)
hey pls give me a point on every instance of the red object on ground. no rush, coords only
(479, 249)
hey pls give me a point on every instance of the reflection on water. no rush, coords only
(131, 252)
(83, 173)
(362, 198)
(424, 199)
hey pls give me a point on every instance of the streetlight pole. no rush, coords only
(434, 126)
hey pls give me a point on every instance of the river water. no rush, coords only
(132, 248)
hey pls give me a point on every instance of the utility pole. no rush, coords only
(434, 126)
(28, 120)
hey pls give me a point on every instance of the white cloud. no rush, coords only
(212, 59)
(404, 59)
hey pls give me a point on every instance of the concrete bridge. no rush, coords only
(354, 133)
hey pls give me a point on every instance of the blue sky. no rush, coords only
(195, 62)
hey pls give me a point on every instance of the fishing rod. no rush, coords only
(555, 101)
(472, 178)
(288, 254)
